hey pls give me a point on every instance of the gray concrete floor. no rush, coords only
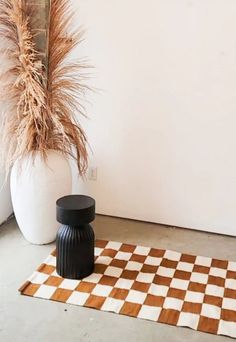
(26, 319)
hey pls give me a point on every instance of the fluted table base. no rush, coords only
(75, 251)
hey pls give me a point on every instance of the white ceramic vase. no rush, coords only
(35, 187)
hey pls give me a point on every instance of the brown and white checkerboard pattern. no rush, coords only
(148, 283)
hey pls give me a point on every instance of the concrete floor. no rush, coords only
(24, 319)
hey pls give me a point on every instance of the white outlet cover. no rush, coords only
(92, 173)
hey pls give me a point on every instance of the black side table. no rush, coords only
(75, 238)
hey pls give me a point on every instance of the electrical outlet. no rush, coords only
(92, 174)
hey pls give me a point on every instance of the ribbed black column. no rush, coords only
(75, 251)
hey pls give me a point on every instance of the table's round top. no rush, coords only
(75, 209)
(75, 202)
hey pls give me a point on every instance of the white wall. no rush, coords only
(162, 129)
(5, 196)
(5, 199)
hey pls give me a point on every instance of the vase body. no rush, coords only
(75, 251)
(35, 186)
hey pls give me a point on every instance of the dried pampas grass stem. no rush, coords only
(43, 101)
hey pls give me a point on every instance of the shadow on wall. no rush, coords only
(5, 200)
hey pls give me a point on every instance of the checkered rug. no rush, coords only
(154, 284)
